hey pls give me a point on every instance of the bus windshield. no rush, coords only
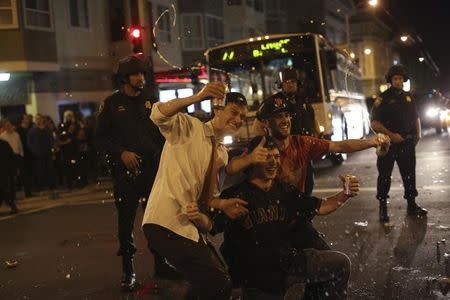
(256, 75)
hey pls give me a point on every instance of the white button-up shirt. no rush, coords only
(14, 141)
(181, 175)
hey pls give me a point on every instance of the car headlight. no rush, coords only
(432, 112)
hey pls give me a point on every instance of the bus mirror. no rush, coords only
(331, 59)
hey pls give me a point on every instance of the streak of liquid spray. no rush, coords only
(174, 22)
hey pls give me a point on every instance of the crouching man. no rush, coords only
(263, 250)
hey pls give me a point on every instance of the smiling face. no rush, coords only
(280, 125)
(268, 170)
(229, 119)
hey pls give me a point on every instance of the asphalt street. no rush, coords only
(68, 251)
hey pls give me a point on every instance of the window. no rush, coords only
(79, 16)
(192, 32)
(259, 5)
(38, 14)
(164, 25)
(8, 14)
(214, 31)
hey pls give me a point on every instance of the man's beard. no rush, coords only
(278, 135)
(138, 88)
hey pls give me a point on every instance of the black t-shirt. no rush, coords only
(252, 244)
(397, 111)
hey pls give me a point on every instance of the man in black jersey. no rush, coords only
(264, 247)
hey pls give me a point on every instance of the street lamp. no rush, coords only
(373, 3)
(404, 38)
(367, 51)
(421, 59)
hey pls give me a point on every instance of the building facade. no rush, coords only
(371, 43)
(57, 55)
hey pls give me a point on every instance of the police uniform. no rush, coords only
(302, 122)
(396, 110)
(124, 124)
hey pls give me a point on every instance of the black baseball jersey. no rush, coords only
(397, 111)
(252, 245)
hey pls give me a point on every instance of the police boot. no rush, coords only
(384, 218)
(415, 210)
(128, 282)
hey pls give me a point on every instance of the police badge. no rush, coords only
(378, 101)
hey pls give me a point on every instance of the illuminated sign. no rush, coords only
(274, 46)
(257, 49)
(261, 49)
(228, 56)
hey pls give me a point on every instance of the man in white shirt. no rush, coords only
(175, 214)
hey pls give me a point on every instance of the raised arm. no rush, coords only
(211, 90)
(332, 203)
(349, 146)
(379, 128)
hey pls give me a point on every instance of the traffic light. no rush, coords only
(136, 39)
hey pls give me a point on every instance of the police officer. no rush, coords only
(303, 121)
(133, 144)
(395, 114)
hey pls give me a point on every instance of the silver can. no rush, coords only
(347, 179)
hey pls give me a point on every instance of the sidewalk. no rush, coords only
(100, 192)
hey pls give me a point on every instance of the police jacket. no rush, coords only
(302, 122)
(397, 111)
(123, 123)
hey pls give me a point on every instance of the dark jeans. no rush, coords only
(7, 187)
(328, 273)
(44, 172)
(405, 156)
(70, 163)
(26, 175)
(195, 261)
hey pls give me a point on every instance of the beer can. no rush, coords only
(347, 179)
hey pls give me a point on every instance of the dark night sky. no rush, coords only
(431, 20)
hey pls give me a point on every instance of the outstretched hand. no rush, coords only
(212, 90)
(353, 185)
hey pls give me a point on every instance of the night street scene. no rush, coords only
(224, 149)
